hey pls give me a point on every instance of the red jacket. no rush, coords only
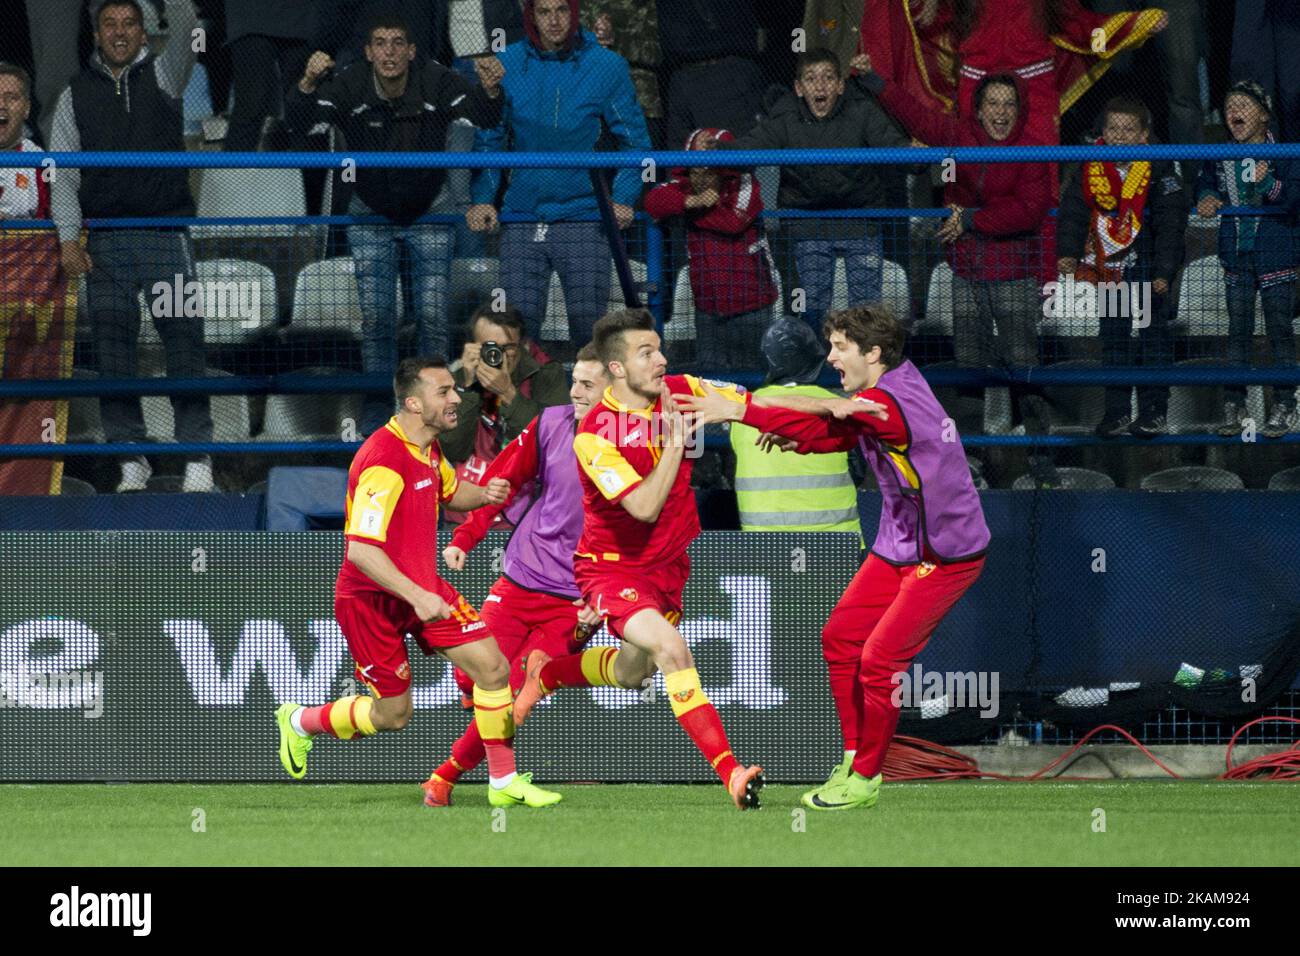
(730, 267)
(1007, 202)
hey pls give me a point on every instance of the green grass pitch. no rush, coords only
(950, 823)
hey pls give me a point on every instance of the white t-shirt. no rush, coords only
(20, 195)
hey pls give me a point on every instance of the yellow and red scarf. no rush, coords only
(1116, 203)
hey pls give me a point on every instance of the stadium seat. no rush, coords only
(75, 487)
(309, 417)
(894, 289)
(1199, 408)
(938, 301)
(325, 296)
(1203, 300)
(1074, 409)
(681, 328)
(223, 324)
(230, 193)
(1288, 480)
(1072, 479)
(1076, 312)
(229, 415)
(1192, 478)
(302, 498)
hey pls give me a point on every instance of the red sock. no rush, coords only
(500, 757)
(313, 719)
(847, 693)
(705, 728)
(466, 754)
(564, 672)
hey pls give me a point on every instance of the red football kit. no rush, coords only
(624, 565)
(888, 612)
(393, 497)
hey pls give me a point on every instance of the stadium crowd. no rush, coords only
(749, 252)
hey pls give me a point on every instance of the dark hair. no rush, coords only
(407, 377)
(1127, 106)
(818, 54)
(134, 4)
(588, 353)
(608, 333)
(13, 69)
(508, 318)
(868, 326)
(387, 19)
(995, 79)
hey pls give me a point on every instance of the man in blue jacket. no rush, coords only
(561, 85)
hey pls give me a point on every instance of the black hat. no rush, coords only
(792, 351)
(1255, 91)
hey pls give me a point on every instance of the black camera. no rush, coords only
(492, 355)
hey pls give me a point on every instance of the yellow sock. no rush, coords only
(349, 716)
(492, 713)
(684, 691)
(593, 667)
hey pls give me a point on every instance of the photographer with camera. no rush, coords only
(504, 381)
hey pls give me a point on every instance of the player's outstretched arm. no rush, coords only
(469, 496)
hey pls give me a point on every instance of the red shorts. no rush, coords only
(376, 624)
(618, 593)
(523, 621)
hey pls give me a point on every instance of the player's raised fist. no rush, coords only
(496, 491)
(454, 557)
(860, 63)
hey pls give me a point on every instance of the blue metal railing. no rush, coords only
(655, 286)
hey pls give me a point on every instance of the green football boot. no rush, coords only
(294, 747)
(856, 791)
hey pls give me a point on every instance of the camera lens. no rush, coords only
(492, 355)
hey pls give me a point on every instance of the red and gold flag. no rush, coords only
(38, 314)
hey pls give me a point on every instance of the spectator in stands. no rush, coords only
(505, 380)
(730, 267)
(382, 105)
(270, 41)
(561, 85)
(1257, 252)
(1102, 237)
(129, 99)
(54, 26)
(1170, 64)
(992, 233)
(835, 25)
(1265, 39)
(631, 29)
(820, 114)
(778, 490)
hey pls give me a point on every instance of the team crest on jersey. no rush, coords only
(925, 568)
(629, 594)
(403, 671)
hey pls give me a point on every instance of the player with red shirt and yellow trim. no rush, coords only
(388, 586)
(638, 519)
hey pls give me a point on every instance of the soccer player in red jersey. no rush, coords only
(535, 604)
(638, 519)
(930, 545)
(388, 586)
